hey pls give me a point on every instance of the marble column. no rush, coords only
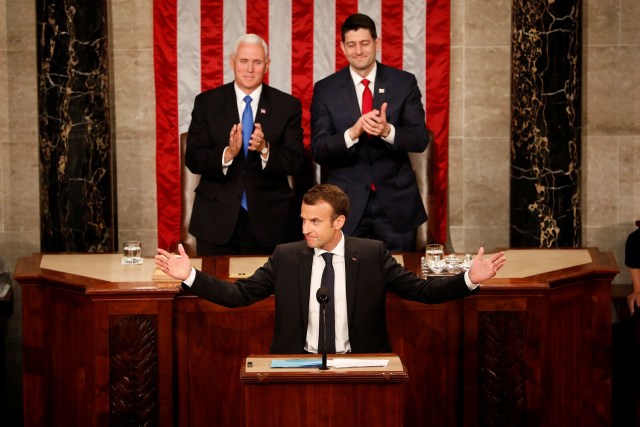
(77, 173)
(546, 123)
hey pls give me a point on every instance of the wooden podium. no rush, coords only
(370, 396)
(533, 346)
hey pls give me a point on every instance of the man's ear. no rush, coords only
(344, 48)
(338, 223)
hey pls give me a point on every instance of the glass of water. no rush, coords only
(132, 250)
(434, 252)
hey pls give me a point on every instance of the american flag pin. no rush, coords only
(263, 111)
(380, 90)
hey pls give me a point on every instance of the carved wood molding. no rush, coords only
(133, 371)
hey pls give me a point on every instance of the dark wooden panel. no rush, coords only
(545, 340)
(321, 405)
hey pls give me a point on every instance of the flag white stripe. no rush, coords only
(188, 57)
(280, 44)
(234, 24)
(373, 9)
(324, 41)
(414, 41)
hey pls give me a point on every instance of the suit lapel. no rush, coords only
(380, 89)
(304, 278)
(264, 104)
(231, 113)
(351, 266)
(349, 95)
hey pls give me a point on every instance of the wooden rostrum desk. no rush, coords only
(104, 345)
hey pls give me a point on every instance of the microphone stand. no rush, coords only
(322, 295)
(323, 307)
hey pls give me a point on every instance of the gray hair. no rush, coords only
(252, 39)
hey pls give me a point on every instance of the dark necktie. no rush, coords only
(247, 130)
(327, 281)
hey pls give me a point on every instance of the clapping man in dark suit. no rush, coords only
(365, 119)
(363, 272)
(245, 140)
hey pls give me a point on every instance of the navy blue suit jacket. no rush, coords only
(273, 209)
(334, 109)
(370, 271)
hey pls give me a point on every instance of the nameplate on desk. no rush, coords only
(244, 266)
(241, 267)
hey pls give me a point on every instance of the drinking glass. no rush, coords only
(433, 251)
(132, 251)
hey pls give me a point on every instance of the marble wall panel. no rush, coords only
(486, 182)
(630, 22)
(492, 238)
(76, 178)
(131, 25)
(487, 23)
(612, 94)
(131, 54)
(601, 22)
(22, 208)
(546, 124)
(600, 207)
(4, 100)
(457, 22)
(137, 209)
(20, 19)
(456, 93)
(134, 96)
(456, 182)
(22, 96)
(487, 101)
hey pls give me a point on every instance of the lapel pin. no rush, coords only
(380, 90)
(263, 111)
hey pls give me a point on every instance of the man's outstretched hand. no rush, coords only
(482, 270)
(176, 266)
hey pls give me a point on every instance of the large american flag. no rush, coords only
(193, 40)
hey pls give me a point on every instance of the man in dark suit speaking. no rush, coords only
(365, 119)
(363, 272)
(245, 139)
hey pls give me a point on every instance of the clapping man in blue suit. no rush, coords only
(365, 119)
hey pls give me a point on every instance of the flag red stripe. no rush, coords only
(437, 65)
(258, 21)
(258, 18)
(391, 33)
(302, 60)
(344, 8)
(167, 154)
(212, 60)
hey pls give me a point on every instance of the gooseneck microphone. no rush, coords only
(322, 295)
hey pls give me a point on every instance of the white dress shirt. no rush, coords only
(357, 81)
(339, 297)
(255, 97)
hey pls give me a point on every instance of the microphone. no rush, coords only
(322, 295)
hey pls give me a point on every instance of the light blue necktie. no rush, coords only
(247, 124)
(247, 130)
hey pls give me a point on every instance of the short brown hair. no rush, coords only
(330, 194)
(358, 21)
